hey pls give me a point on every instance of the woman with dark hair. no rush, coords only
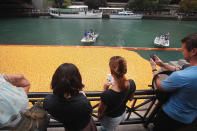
(113, 100)
(68, 104)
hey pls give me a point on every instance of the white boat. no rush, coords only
(126, 15)
(75, 12)
(90, 39)
(162, 41)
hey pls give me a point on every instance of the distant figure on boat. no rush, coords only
(91, 33)
(162, 40)
(167, 36)
(89, 36)
(86, 34)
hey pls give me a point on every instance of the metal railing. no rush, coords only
(137, 113)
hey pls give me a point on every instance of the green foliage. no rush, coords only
(60, 3)
(66, 3)
(147, 5)
(188, 6)
(165, 2)
(49, 3)
(95, 4)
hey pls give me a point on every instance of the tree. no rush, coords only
(66, 3)
(143, 5)
(49, 3)
(188, 6)
(95, 4)
(118, 1)
(62, 3)
(175, 1)
(165, 2)
(147, 5)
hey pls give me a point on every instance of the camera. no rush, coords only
(152, 56)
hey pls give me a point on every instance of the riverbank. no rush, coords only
(170, 17)
(145, 17)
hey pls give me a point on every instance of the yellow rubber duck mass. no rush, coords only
(38, 63)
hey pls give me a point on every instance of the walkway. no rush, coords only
(132, 127)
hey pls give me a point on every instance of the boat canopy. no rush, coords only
(74, 8)
(110, 10)
(77, 6)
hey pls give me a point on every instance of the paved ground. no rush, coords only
(131, 127)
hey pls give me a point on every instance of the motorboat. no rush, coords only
(90, 38)
(162, 41)
(75, 12)
(126, 15)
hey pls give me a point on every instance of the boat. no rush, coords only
(90, 38)
(126, 15)
(75, 12)
(162, 41)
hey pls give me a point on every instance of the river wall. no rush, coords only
(170, 17)
(38, 9)
(148, 17)
(38, 13)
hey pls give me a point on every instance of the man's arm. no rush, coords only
(157, 79)
(19, 81)
(166, 66)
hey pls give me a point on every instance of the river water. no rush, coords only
(113, 33)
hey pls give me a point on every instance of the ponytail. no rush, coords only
(118, 68)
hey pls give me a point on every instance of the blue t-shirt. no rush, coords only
(182, 105)
(86, 33)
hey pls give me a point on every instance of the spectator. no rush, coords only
(68, 104)
(181, 108)
(13, 101)
(113, 100)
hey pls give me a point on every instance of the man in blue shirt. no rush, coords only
(181, 109)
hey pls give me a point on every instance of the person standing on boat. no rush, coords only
(167, 36)
(91, 33)
(86, 34)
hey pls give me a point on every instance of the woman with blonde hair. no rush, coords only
(112, 108)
